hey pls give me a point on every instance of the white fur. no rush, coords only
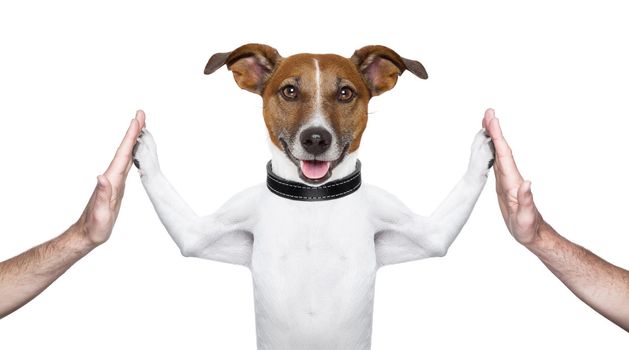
(285, 168)
(313, 263)
(317, 83)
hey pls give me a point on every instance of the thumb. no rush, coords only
(525, 196)
(97, 214)
(526, 206)
(102, 193)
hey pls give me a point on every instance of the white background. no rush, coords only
(72, 75)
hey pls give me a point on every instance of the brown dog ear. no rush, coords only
(251, 64)
(380, 67)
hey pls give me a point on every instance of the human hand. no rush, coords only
(514, 194)
(98, 218)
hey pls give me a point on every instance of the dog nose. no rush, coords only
(316, 140)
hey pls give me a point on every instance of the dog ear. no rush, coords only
(380, 67)
(251, 64)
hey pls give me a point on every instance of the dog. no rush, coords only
(314, 236)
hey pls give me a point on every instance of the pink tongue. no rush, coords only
(314, 169)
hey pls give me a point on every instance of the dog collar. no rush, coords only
(301, 192)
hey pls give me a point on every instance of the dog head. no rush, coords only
(315, 106)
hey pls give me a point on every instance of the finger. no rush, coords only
(140, 116)
(122, 158)
(505, 164)
(495, 132)
(126, 170)
(489, 115)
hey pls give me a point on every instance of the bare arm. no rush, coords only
(601, 285)
(23, 277)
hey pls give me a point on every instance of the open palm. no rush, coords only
(514, 194)
(100, 214)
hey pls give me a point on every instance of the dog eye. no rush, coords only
(289, 92)
(346, 94)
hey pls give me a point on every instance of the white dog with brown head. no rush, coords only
(313, 236)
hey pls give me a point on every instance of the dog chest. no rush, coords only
(313, 267)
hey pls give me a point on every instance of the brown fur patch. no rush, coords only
(285, 117)
(381, 67)
(371, 71)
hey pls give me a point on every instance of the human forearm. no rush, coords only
(601, 285)
(25, 276)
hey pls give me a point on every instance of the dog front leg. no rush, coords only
(403, 236)
(224, 236)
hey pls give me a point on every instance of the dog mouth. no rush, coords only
(314, 171)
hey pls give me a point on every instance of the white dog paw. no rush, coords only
(483, 155)
(145, 154)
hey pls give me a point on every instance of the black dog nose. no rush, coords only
(315, 140)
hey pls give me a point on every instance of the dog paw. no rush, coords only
(483, 155)
(145, 154)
